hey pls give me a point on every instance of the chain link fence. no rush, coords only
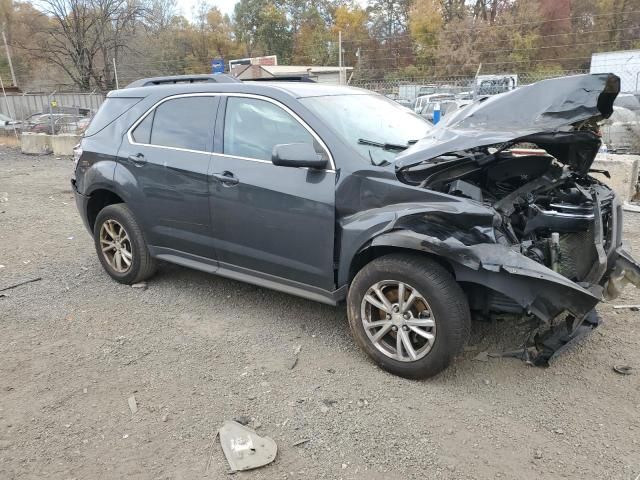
(52, 113)
(485, 84)
(70, 112)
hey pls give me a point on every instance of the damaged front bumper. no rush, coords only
(565, 309)
(549, 343)
(625, 270)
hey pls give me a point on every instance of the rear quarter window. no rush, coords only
(185, 122)
(110, 109)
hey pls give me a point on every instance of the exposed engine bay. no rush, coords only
(546, 208)
(546, 211)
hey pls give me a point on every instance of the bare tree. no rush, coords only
(82, 36)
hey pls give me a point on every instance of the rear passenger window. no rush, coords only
(252, 127)
(179, 123)
(142, 133)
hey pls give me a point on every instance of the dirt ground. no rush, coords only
(195, 350)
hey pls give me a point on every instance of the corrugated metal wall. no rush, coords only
(21, 106)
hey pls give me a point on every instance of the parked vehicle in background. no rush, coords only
(621, 131)
(405, 103)
(630, 101)
(82, 124)
(486, 85)
(413, 91)
(8, 123)
(436, 97)
(56, 123)
(464, 96)
(427, 90)
(623, 63)
(402, 101)
(446, 108)
(338, 194)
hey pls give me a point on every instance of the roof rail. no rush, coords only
(283, 78)
(215, 78)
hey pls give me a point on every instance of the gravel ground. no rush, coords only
(195, 350)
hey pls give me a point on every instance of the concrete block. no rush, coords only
(623, 170)
(35, 143)
(63, 144)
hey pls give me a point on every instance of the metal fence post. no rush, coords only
(53, 129)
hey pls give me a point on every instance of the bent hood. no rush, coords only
(542, 110)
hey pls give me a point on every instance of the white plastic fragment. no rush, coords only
(243, 448)
(133, 405)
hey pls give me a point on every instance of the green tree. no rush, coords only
(313, 42)
(262, 27)
(425, 23)
(352, 22)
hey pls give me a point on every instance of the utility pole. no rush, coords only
(340, 55)
(6, 46)
(115, 72)
(6, 101)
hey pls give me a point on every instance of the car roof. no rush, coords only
(295, 89)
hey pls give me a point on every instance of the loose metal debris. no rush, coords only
(294, 360)
(244, 449)
(623, 369)
(635, 308)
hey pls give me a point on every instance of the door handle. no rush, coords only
(138, 159)
(226, 178)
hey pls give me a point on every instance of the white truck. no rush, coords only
(411, 91)
(492, 84)
(625, 64)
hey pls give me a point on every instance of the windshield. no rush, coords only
(361, 120)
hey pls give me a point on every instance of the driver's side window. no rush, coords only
(253, 127)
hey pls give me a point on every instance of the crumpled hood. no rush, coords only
(546, 107)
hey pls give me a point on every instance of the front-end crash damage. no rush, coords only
(499, 279)
(532, 234)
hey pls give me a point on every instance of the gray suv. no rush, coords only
(339, 194)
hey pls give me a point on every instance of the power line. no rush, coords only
(180, 63)
(510, 50)
(508, 25)
(511, 62)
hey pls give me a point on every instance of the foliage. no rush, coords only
(76, 41)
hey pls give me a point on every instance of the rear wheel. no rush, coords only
(408, 314)
(121, 246)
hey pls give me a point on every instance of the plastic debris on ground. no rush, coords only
(243, 448)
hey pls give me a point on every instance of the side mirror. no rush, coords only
(297, 155)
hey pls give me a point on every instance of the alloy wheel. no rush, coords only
(116, 246)
(398, 320)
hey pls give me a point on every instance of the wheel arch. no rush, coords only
(99, 199)
(372, 250)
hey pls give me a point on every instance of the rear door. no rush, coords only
(270, 220)
(166, 156)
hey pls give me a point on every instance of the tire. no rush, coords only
(141, 264)
(446, 308)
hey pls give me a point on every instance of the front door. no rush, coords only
(167, 154)
(272, 220)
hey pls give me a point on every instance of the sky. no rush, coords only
(225, 6)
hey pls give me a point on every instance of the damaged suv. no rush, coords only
(336, 193)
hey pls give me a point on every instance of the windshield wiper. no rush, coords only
(382, 163)
(386, 146)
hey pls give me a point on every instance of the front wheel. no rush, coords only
(408, 314)
(121, 246)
